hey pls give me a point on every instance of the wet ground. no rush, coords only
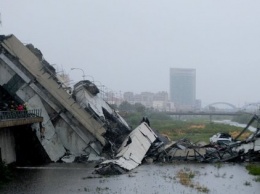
(146, 179)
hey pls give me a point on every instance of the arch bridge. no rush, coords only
(234, 108)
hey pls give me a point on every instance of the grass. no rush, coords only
(196, 129)
(254, 169)
(186, 179)
(218, 165)
(100, 189)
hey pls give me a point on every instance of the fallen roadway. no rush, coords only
(132, 153)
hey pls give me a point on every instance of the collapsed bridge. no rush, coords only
(71, 125)
(80, 124)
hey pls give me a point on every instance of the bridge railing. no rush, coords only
(20, 114)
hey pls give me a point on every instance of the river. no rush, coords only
(146, 179)
(229, 122)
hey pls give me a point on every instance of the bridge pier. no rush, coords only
(7, 145)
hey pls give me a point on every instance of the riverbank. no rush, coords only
(197, 131)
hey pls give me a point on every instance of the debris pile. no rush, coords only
(144, 145)
(87, 94)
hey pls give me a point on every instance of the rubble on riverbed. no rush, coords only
(181, 150)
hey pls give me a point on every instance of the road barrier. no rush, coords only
(5, 115)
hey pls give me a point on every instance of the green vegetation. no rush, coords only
(195, 129)
(253, 169)
(185, 178)
(218, 165)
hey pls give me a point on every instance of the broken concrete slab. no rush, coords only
(132, 151)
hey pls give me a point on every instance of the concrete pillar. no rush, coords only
(7, 145)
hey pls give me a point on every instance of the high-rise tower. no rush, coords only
(183, 87)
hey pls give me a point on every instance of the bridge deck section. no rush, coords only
(45, 79)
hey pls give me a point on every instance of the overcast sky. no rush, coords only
(130, 45)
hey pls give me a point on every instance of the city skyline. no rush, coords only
(119, 94)
(130, 45)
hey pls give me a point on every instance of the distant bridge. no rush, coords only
(221, 103)
(233, 107)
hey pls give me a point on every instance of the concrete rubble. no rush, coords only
(182, 150)
(131, 152)
(80, 126)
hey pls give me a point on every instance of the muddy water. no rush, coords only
(146, 179)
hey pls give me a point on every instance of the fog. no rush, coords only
(131, 45)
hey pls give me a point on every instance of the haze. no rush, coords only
(130, 45)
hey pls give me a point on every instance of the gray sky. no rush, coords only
(130, 45)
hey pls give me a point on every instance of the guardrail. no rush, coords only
(4, 115)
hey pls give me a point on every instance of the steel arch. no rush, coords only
(225, 103)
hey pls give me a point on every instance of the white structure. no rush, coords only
(133, 149)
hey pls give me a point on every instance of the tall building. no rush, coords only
(161, 96)
(183, 88)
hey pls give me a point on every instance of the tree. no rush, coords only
(125, 106)
(139, 107)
